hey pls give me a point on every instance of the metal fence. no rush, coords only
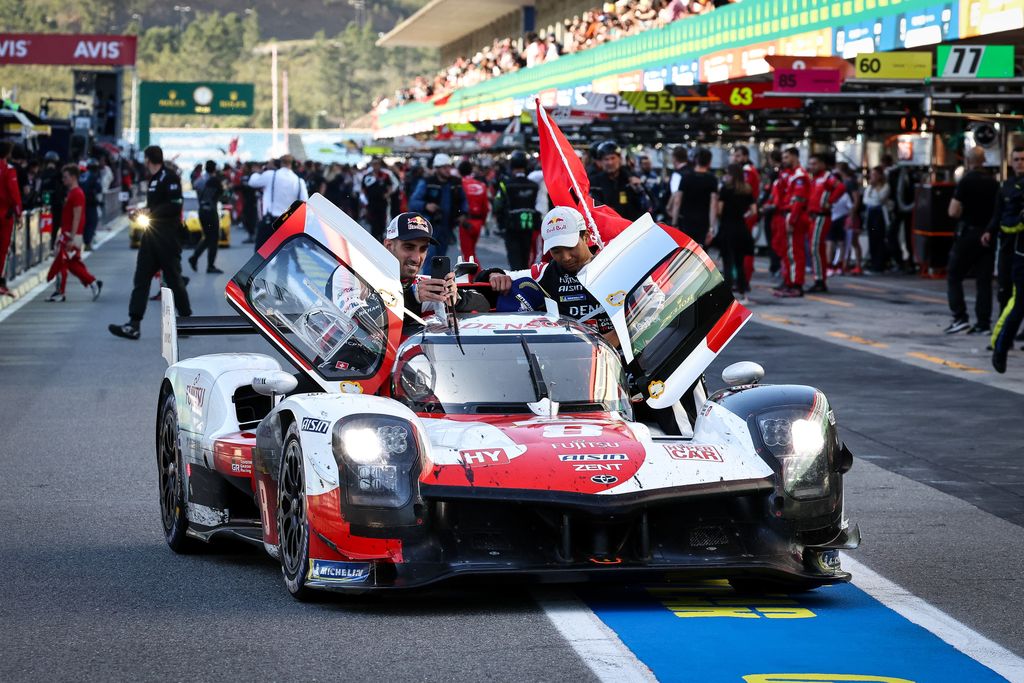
(30, 246)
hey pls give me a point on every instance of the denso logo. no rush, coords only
(13, 48)
(678, 451)
(93, 49)
(485, 456)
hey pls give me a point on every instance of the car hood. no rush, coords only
(582, 455)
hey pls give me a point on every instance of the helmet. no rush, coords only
(608, 148)
(517, 159)
(51, 156)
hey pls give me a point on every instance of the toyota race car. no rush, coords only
(138, 222)
(516, 444)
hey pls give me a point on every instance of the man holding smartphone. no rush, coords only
(408, 237)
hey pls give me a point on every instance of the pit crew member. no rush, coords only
(826, 189)
(790, 240)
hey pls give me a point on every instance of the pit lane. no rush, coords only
(91, 591)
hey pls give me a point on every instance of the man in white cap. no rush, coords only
(564, 233)
(440, 198)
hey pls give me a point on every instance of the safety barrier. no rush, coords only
(30, 245)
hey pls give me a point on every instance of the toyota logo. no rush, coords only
(604, 479)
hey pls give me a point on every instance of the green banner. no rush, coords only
(192, 99)
(974, 61)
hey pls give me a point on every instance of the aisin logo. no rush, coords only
(604, 479)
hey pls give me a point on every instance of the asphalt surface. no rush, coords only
(91, 592)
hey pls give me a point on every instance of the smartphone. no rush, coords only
(440, 266)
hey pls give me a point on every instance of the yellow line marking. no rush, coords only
(776, 318)
(926, 299)
(826, 300)
(947, 363)
(864, 288)
(857, 340)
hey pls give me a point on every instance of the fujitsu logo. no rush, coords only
(13, 48)
(195, 396)
(580, 445)
(103, 49)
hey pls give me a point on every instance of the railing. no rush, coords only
(30, 246)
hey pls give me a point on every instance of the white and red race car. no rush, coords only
(519, 445)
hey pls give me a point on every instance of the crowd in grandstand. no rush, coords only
(609, 22)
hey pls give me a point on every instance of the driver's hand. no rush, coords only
(432, 289)
(500, 283)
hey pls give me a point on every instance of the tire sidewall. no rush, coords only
(176, 535)
(295, 581)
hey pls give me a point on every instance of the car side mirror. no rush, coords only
(744, 372)
(274, 383)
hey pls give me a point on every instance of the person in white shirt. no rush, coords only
(281, 188)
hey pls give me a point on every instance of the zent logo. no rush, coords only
(329, 571)
(604, 479)
(310, 424)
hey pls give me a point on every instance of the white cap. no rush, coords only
(442, 159)
(561, 227)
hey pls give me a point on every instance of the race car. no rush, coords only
(513, 444)
(138, 222)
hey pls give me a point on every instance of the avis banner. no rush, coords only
(67, 49)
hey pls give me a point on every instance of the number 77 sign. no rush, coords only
(974, 61)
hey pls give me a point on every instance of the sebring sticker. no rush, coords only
(616, 298)
(330, 571)
(684, 451)
(310, 424)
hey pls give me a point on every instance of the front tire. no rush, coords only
(173, 504)
(292, 519)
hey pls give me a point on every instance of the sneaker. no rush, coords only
(193, 261)
(127, 331)
(790, 292)
(999, 362)
(57, 297)
(87, 247)
(957, 326)
(6, 292)
(818, 286)
(743, 299)
(214, 270)
(96, 287)
(978, 329)
(856, 270)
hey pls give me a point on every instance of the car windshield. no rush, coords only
(189, 203)
(496, 374)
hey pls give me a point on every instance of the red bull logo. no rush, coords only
(418, 223)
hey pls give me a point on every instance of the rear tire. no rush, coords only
(292, 519)
(173, 503)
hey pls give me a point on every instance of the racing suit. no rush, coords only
(775, 207)
(794, 232)
(479, 205)
(515, 207)
(160, 248)
(826, 189)
(10, 209)
(573, 300)
(1009, 215)
(752, 178)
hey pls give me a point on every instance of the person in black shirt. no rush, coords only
(699, 198)
(1008, 223)
(377, 186)
(515, 209)
(51, 191)
(160, 248)
(209, 190)
(973, 202)
(616, 187)
(735, 203)
(250, 203)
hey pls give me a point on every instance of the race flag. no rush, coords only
(567, 182)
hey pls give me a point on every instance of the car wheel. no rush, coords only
(172, 483)
(292, 522)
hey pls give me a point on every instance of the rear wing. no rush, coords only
(173, 327)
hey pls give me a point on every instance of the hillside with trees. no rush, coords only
(334, 72)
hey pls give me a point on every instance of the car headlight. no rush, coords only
(377, 456)
(798, 437)
(141, 219)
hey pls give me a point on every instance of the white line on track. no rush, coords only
(115, 226)
(596, 644)
(916, 610)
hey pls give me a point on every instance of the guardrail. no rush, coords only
(30, 246)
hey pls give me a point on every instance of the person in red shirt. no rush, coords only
(10, 209)
(71, 241)
(774, 207)
(826, 189)
(794, 213)
(475, 190)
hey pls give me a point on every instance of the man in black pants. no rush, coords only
(159, 249)
(972, 205)
(208, 192)
(1008, 223)
(515, 208)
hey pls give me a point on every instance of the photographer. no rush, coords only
(209, 190)
(281, 187)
